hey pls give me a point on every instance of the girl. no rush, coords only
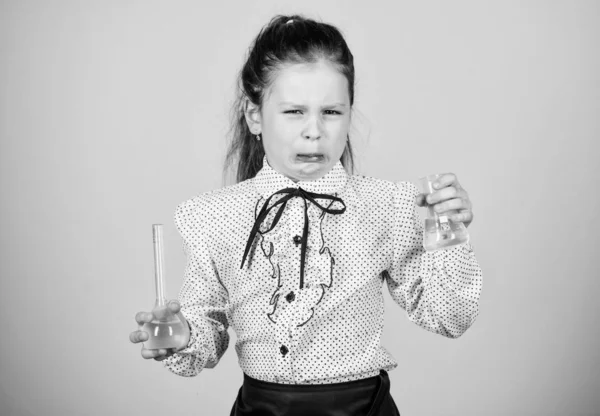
(295, 254)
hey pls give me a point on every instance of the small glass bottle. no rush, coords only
(440, 231)
(167, 330)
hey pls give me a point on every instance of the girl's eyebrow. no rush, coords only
(284, 103)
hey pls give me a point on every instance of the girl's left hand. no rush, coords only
(449, 197)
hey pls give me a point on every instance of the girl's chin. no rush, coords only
(310, 172)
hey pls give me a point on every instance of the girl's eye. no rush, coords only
(326, 112)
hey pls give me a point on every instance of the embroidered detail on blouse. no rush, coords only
(319, 273)
(286, 195)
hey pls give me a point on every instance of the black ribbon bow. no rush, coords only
(289, 194)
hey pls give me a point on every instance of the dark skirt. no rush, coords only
(367, 397)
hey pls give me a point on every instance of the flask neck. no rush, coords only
(157, 237)
(161, 311)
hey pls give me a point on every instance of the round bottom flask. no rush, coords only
(166, 330)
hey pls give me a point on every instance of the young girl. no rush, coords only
(294, 256)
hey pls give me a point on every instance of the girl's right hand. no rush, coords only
(141, 336)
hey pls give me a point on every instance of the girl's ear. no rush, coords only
(252, 113)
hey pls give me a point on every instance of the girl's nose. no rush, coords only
(312, 128)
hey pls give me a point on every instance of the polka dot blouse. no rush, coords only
(327, 328)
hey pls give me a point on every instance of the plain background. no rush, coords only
(113, 112)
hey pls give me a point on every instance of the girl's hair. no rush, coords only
(285, 40)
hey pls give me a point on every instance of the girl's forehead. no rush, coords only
(313, 81)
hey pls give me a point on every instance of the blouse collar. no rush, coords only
(269, 181)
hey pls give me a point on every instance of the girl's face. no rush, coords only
(304, 120)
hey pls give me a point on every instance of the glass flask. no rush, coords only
(167, 330)
(440, 231)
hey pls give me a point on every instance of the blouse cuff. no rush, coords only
(458, 266)
(463, 250)
(200, 334)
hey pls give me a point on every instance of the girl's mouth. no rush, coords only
(310, 157)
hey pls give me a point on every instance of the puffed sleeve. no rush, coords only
(439, 290)
(203, 298)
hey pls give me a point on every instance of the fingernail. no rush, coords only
(436, 185)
